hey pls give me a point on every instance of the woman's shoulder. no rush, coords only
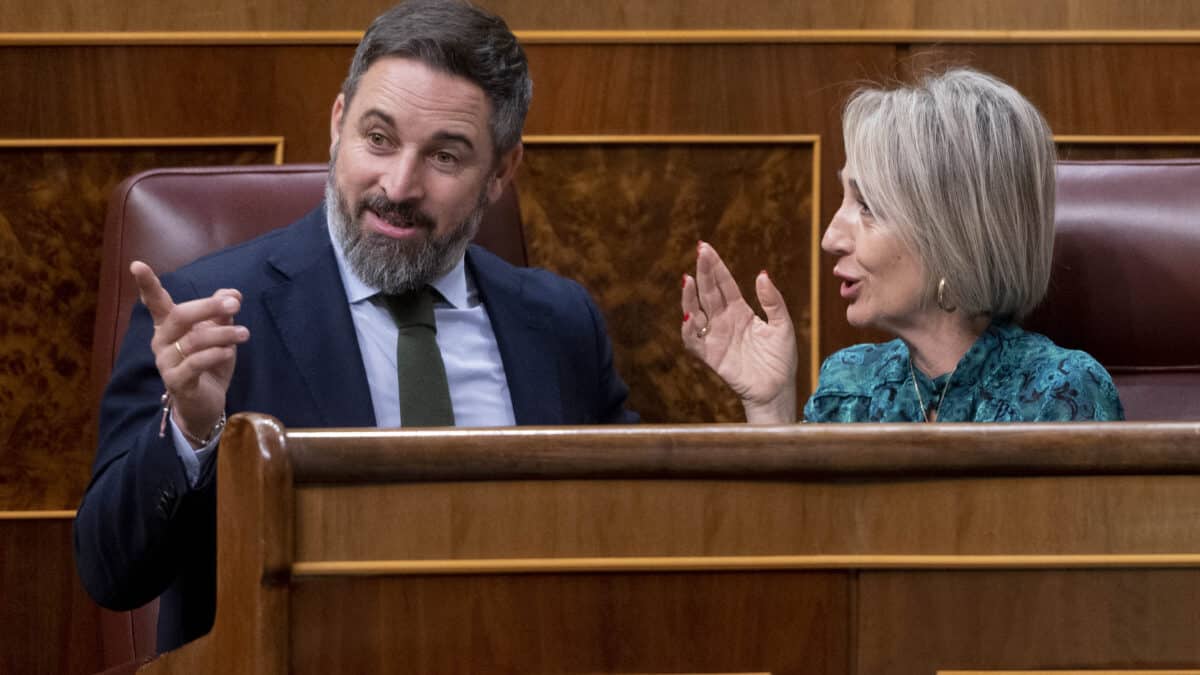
(1067, 384)
(860, 368)
(1036, 352)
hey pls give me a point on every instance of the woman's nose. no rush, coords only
(838, 239)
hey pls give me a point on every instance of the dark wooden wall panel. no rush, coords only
(147, 91)
(48, 625)
(148, 15)
(1091, 88)
(624, 219)
(52, 206)
(916, 623)
(716, 89)
(786, 623)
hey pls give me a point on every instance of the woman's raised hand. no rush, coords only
(756, 358)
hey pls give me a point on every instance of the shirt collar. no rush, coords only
(452, 285)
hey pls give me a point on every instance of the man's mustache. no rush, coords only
(400, 214)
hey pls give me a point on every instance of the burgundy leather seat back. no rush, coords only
(1126, 280)
(169, 217)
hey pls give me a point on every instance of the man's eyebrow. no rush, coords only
(454, 138)
(376, 113)
(443, 136)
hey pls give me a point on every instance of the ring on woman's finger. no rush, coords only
(179, 348)
(702, 332)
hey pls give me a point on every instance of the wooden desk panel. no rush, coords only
(921, 622)
(48, 625)
(576, 518)
(782, 623)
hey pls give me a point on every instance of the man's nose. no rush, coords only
(404, 178)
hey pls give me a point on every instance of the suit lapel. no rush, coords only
(310, 311)
(527, 345)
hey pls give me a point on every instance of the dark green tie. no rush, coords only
(424, 393)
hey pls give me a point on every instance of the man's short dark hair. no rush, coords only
(454, 37)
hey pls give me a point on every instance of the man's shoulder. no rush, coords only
(244, 264)
(531, 283)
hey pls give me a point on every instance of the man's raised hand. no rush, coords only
(195, 349)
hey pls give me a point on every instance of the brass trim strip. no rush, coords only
(733, 563)
(666, 139)
(278, 142)
(37, 515)
(1068, 672)
(1127, 140)
(184, 38)
(814, 296)
(561, 37)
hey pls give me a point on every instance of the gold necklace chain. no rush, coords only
(912, 373)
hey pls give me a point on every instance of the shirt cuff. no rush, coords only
(196, 461)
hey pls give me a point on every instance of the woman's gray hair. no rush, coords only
(454, 37)
(962, 166)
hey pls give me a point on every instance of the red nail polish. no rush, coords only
(686, 316)
(684, 281)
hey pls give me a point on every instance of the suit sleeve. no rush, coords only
(126, 531)
(611, 391)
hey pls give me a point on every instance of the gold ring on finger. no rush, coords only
(179, 348)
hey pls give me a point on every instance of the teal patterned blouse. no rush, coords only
(1008, 375)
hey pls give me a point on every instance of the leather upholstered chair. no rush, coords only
(1126, 280)
(169, 217)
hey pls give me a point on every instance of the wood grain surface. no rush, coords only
(623, 219)
(52, 205)
(48, 625)
(143, 15)
(919, 622)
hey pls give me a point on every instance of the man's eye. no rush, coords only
(376, 138)
(443, 157)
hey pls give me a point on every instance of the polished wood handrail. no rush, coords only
(749, 452)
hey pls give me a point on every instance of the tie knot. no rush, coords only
(414, 308)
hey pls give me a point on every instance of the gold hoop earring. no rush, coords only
(941, 296)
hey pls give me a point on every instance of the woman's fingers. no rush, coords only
(772, 301)
(711, 276)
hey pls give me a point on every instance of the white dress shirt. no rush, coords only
(478, 387)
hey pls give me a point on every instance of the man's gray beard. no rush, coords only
(397, 265)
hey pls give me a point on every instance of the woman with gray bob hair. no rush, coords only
(944, 238)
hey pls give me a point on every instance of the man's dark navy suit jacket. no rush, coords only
(141, 531)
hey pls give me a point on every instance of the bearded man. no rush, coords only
(321, 323)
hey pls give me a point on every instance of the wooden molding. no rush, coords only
(730, 563)
(1068, 672)
(37, 515)
(277, 142)
(1086, 139)
(557, 37)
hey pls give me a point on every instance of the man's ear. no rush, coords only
(335, 122)
(506, 168)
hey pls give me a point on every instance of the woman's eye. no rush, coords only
(863, 208)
